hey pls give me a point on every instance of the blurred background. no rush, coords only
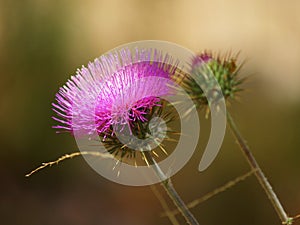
(42, 42)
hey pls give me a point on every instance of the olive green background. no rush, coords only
(42, 42)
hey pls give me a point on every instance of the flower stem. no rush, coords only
(164, 204)
(168, 186)
(259, 174)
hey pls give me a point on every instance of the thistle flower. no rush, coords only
(225, 70)
(111, 91)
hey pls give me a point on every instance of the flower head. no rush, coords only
(112, 90)
(116, 89)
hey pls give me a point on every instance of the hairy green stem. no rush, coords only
(259, 174)
(168, 186)
(165, 206)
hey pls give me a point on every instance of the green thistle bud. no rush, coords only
(225, 70)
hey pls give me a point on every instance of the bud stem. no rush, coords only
(259, 174)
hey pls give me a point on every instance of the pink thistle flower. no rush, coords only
(113, 90)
